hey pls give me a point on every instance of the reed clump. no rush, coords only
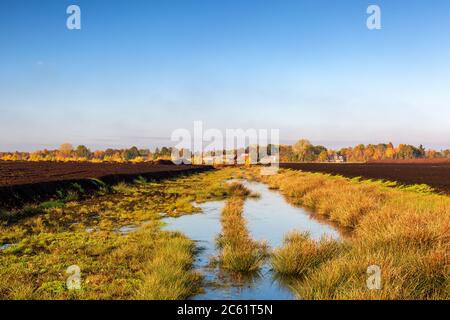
(239, 252)
(168, 274)
(236, 189)
(300, 254)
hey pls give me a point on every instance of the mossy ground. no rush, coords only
(147, 263)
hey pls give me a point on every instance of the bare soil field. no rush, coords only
(18, 173)
(414, 161)
(435, 174)
(33, 181)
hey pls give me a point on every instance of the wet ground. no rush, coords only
(269, 218)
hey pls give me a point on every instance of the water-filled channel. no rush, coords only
(269, 218)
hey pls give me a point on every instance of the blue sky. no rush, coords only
(137, 70)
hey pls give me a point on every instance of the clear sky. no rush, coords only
(137, 70)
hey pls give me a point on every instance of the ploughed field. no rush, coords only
(18, 172)
(434, 174)
(22, 182)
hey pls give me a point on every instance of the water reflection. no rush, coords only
(269, 218)
(6, 246)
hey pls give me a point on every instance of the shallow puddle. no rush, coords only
(126, 229)
(269, 218)
(6, 246)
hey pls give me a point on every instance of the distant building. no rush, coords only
(337, 158)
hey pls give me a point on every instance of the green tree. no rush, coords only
(83, 152)
(421, 152)
(165, 151)
(406, 151)
(130, 154)
(446, 153)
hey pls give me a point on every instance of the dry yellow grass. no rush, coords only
(300, 254)
(405, 233)
(168, 275)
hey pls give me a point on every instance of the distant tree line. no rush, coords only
(305, 151)
(302, 151)
(67, 152)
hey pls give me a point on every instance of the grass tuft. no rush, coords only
(239, 253)
(168, 275)
(300, 254)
